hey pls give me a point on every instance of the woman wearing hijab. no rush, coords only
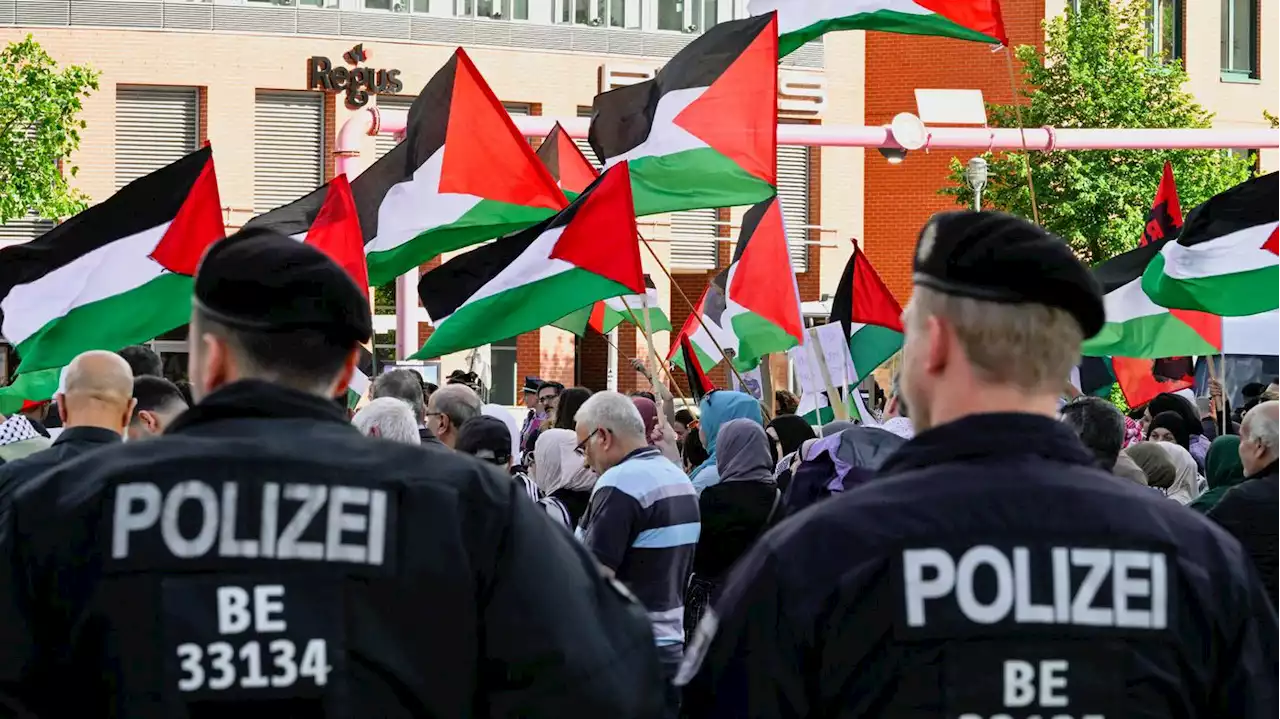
(1169, 427)
(1153, 462)
(1184, 488)
(786, 433)
(1197, 443)
(717, 408)
(558, 471)
(734, 512)
(1223, 469)
(567, 406)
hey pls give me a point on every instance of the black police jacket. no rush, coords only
(990, 570)
(262, 558)
(1249, 510)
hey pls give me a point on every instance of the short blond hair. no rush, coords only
(1030, 346)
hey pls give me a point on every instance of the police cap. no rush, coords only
(261, 280)
(996, 257)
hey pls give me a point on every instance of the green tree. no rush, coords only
(1095, 72)
(38, 130)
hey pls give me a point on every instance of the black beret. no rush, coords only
(259, 279)
(996, 257)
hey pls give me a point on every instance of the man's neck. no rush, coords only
(96, 422)
(988, 399)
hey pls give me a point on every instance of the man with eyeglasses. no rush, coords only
(642, 522)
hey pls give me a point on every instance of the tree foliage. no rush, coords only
(1095, 72)
(38, 130)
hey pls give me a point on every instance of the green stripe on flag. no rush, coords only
(692, 180)
(35, 386)
(757, 337)
(884, 21)
(1231, 295)
(139, 315)
(871, 346)
(576, 321)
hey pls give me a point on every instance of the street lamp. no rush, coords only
(975, 172)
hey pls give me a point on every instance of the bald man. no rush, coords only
(95, 406)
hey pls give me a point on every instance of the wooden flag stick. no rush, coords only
(1026, 154)
(653, 352)
(694, 309)
(838, 407)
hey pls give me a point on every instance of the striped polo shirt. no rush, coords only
(643, 524)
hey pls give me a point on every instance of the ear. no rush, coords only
(941, 338)
(218, 364)
(61, 399)
(374, 431)
(128, 412)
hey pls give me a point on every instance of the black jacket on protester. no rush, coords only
(1249, 510)
(263, 559)
(988, 557)
(69, 444)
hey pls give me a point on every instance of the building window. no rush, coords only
(495, 9)
(793, 194)
(1240, 38)
(23, 229)
(384, 142)
(288, 156)
(694, 239)
(599, 13)
(1164, 29)
(502, 372)
(154, 127)
(587, 150)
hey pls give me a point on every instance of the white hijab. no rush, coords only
(557, 466)
(1185, 488)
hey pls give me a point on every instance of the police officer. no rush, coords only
(262, 558)
(991, 570)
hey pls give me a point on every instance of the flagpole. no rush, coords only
(653, 352)
(1026, 153)
(694, 309)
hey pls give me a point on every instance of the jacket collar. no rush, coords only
(994, 435)
(1271, 470)
(87, 435)
(257, 399)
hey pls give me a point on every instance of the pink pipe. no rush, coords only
(372, 122)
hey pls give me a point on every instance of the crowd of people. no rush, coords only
(244, 544)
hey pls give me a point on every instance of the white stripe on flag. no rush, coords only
(416, 205)
(1239, 251)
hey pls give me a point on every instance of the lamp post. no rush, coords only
(975, 172)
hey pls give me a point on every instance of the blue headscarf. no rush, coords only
(716, 409)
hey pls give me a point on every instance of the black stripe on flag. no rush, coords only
(1126, 267)
(549, 152)
(699, 383)
(295, 217)
(444, 289)
(622, 117)
(147, 202)
(1249, 204)
(750, 221)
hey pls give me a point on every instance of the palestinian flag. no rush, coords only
(588, 252)
(703, 132)
(116, 274)
(1225, 259)
(699, 384)
(463, 175)
(872, 318)
(605, 315)
(1141, 380)
(710, 309)
(800, 21)
(566, 163)
(361, 380)
(1165, 218)
(28, 388)
(762, 300)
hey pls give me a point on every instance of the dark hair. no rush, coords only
(142, 360)
(693, 453)
(1169, 402)
(1136, 413)
(785, 402)
(156, 393)
(302, 359)
(554, 385)
(685, 417)
(570, 400)
(428, 389)
(1176, 425)
(406, 386)
(184, 386)
(647, 395)
(1099, 425)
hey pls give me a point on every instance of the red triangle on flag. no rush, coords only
(980, 15)
(575, 171)
(1208, 326)
(1138, 382)
(484, 153)
(873, 303)
(763, 270)
(738, 114)
(1272, 244)
(197, 225)
(336, 231)
(596, 320)
(601, 236)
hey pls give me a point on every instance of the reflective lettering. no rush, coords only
(918, 589)
(268, 605)
(377, 526)
(233, 610)
(270, 508)
(127, 519)
(969, 604)
(228, 545)
(1025, 612)
(1082, 610)
(1053, 679)
(200, 544)
(312, 497)
(1019, 683)
(342, 521)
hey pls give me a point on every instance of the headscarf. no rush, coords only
(557, 465)
(1169, 402)
(717, 408)
(1184, 488)
(504, 414)
(1173, 422)
(900, 426)
(649, 413)
(792, 431)
(1153, 462)
(744, 452)
(1223, 470)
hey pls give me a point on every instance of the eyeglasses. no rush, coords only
(581, 449)
(547, 398)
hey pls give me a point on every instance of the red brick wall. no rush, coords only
(899, 199)
(424, 329)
